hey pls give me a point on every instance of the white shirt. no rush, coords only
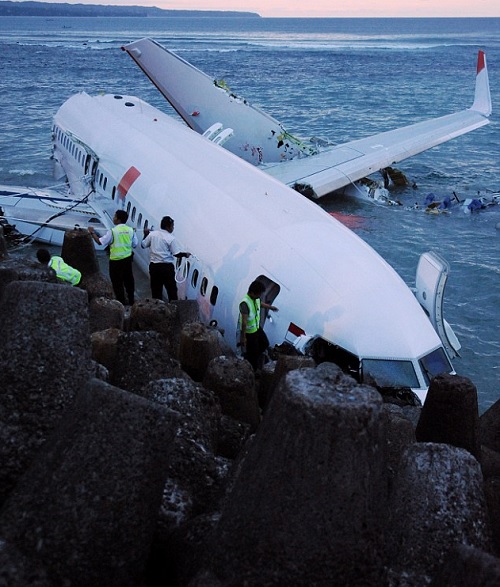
(163, 246)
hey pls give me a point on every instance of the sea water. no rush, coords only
(338, 79)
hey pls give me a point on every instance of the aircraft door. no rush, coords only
(270, 294)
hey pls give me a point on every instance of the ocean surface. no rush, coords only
(340, 79)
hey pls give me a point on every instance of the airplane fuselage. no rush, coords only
(335, 294)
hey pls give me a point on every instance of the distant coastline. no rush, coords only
(9, 8)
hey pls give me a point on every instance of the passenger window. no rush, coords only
(213, 295)
(87, 164)
(194, 278)
(203, 286)
(139, 220)
(133, 214)
(113, 192)
(105, 183)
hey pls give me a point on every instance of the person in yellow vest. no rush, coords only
(121, 240)
(63, 271)
(253, 339)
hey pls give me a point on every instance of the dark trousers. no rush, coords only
(122, 279)
(162, 275)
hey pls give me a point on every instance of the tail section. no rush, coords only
(482, 97)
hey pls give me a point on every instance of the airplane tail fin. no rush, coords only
(482, 97)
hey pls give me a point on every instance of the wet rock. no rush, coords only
(199, 344)
(233, 435)
(187, 311)
(142, 357)
(490, 462)
(3, 245)
(492, 493)
(44, 360)
(158, 316)
(287, 363)
(22, 270)
(233, 382)
(92, 520)
(195, 476)
(105, 313)
(466, 566)
(97, 286)
(265, 384)
(490, 427)
(307, 504)
(450, 414)
(78, 251)
(437, 502)
(400, 436)
(19, 570)
(104, 346)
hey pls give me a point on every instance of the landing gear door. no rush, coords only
(432, 274)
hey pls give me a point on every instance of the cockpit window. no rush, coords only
(435, 363)
(388, 373)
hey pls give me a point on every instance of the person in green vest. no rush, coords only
(63, 271)
(121, 240)
(253, 339)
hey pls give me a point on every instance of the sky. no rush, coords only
(325, 8)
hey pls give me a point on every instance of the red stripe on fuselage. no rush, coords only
(126, 181)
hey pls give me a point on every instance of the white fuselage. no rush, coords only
(241, 224)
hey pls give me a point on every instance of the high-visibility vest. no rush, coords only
(65, 271)
(121, 245)
(253, 319)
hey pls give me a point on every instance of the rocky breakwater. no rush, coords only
(138, 451)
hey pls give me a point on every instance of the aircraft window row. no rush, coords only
(85, 160)
(82, 157)
(214, 292)
(73, 148)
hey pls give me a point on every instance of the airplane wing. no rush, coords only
(339, 166)
(46, 214)
(210, 108)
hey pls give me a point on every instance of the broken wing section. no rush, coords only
(204, 103)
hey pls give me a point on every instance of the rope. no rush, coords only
(31, 237)
(182, 270)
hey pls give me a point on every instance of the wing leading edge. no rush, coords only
(260, 139)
